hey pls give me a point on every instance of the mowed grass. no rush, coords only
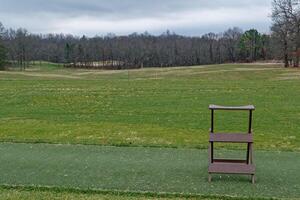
(29, 194)
(166, 107)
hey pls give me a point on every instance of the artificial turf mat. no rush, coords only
(138, 169)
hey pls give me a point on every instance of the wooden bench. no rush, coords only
(229, 166)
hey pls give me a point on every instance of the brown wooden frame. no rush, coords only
(226, 166)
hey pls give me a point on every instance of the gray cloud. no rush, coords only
(91, 17)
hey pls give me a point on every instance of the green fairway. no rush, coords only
(138, 169)
(166, 107)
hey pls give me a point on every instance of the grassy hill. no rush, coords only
(166, 107)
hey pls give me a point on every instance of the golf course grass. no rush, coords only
(164, 107)
(143, 134)
(41, 194)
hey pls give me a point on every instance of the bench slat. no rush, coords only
(217, 107)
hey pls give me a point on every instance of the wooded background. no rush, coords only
(19, 47)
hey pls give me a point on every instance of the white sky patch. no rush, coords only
(189, 21)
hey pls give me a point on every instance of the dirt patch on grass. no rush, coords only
(150, 78)
(289, 76)
(194, 72)
(43, 75)
(150, 70)
(104, 72)
(255, 69)
(262, 63)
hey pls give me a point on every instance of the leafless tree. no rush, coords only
(286, 24)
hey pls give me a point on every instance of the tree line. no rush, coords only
(137, 50)
(19, 47)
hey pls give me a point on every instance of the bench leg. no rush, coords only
(253, 179)
(209, 178)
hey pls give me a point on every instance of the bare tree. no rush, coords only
(231, 39)
(280, 34)
(286, 24)
(2, 48)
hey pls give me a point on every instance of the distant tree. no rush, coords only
(250, 44)
(68, 53)
(80, 54)
(2, 30)
(231, 39)
(2, 56)
(22, 48)
(2, 49)
(211, 39)
(280, 36)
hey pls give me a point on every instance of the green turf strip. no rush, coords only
(157, 170)
(37, 194)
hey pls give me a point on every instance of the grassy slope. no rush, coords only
(154, 107)
(139, 169)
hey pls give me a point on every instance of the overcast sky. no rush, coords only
(99, 17)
